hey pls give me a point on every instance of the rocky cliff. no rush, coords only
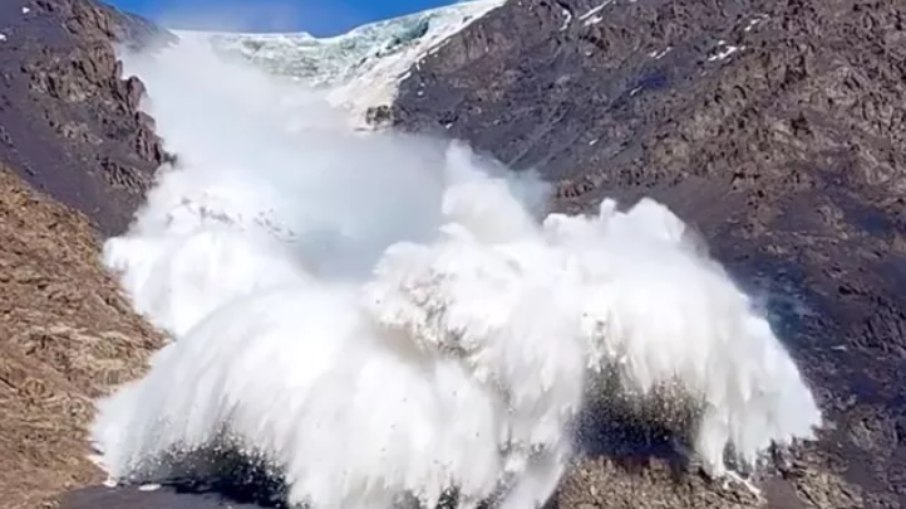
(69, 121)
(75, 157)
(776, 127)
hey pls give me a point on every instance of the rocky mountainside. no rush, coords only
(69, 122)
(75, 158)
(776, 127)
(66, 336)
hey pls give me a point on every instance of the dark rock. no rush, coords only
(777, 128)
(166, 497)
(68, 115)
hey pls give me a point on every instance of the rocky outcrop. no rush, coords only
(69, 122)
(776, 128)
(66, 337)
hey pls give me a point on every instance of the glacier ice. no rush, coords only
(361, 68)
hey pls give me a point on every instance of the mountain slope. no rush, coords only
(69, 122)
(776, 127)
(66, 336)
(75, 157)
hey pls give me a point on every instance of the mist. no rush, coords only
(381, 316)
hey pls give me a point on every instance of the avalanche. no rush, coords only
(381, 316)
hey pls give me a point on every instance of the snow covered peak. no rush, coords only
(362, 68)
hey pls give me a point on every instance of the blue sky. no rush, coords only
(320, 17)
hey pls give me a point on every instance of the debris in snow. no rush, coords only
(567, 18)
(25, 10)
(728, 50)
(594, 10)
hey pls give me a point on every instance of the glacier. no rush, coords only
(360, 69)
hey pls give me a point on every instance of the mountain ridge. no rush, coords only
(70, 121)
(786, 152)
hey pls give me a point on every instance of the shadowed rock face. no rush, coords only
(160, 498)
(69, 123)
(777, 127)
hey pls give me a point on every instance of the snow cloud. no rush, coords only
(381, 316)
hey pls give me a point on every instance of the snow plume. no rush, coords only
(380, 316)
